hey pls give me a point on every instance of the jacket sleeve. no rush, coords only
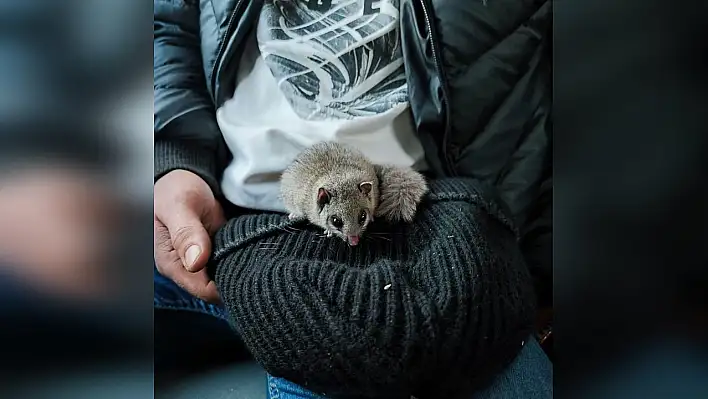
(186, 133)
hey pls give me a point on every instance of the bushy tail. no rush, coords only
(401, 190)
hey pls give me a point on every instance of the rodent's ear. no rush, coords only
(323, 197)
(365, 187)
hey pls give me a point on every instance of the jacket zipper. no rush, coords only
(443, 83)
(222, 47)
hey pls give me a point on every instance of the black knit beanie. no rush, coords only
(430, 308)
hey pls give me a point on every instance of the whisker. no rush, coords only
(288, 229)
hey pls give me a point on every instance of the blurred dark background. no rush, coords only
(631, 203)
(631, 214)
(75, 199)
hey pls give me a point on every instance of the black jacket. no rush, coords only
(479, 78)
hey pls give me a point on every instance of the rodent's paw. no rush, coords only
(401, 190)
(296, 216)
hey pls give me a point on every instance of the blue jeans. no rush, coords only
(530, 376)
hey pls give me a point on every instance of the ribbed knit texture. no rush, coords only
(191, 142)
(408, 311)
(172, 155)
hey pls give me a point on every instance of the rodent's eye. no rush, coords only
(362, 217)
(336, 222)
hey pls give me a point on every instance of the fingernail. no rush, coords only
(192, 254)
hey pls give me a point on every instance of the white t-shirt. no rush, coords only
(332, 73)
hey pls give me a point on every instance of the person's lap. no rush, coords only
(529, 376)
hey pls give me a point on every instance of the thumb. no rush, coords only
(191, 241)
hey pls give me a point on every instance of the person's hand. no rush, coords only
(186, 216)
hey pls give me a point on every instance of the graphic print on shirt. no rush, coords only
(334, 59)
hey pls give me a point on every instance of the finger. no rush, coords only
(198, 284)
(170, 265)
(216, 220)
(209, 293)
(162, 241)
(189, 238)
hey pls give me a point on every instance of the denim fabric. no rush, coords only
(530, 376)
(279, 388)
(169, 295)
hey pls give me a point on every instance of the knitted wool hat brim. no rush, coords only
(425, 308)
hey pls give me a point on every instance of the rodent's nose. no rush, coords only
(353, 240)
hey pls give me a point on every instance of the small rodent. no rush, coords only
(335, 187)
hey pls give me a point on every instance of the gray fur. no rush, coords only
(401, 191)
(340, 170)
